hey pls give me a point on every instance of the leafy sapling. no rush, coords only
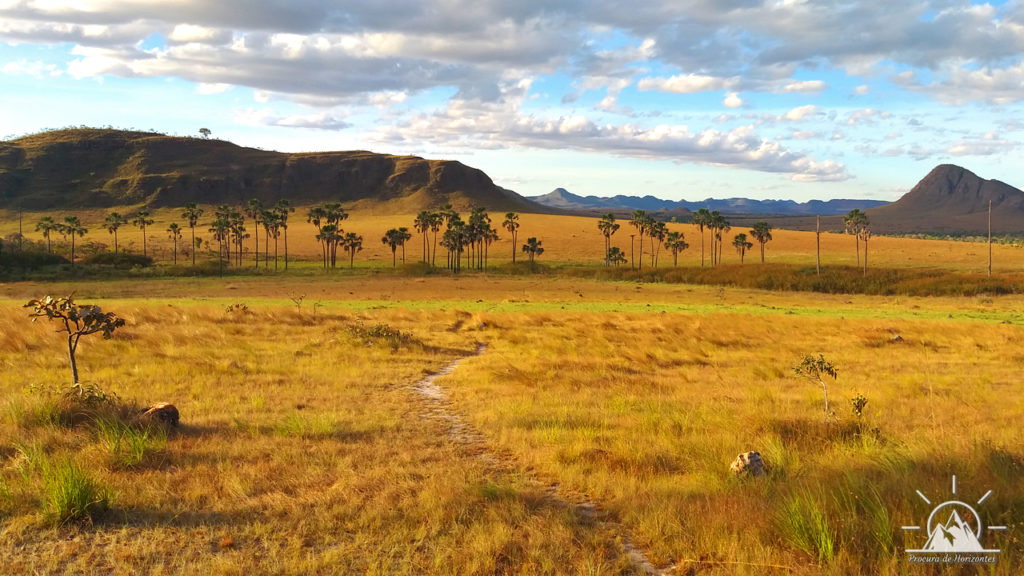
(76, 321)
(815, 370)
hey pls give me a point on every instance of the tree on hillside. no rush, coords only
(741, 244)
(282, 209)
(254, 209)
(47, 226)
(511, 224)
(676, 243)
(854, 222)
(533, 248)
(608, 228)
(352, 243)
(77, 321)
(205, 132)
(112, 222)
(142, 220)
(641, 221)
(762, 232)
(174, 232)
(73, 227)
(702, 219)
(616, 256)
(192, 213)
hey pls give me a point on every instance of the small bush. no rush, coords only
(120, 261)
(382, 333)
(70, 495)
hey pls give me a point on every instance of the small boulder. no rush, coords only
(163, 412)
(748, 464)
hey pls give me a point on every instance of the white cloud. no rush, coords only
(35, 69)
(862, 90)
(208, 89)
(687, 84)
(805, 86)
(732, 100)
(801, 112)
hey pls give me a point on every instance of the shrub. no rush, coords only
(120, 261)
(382, 333)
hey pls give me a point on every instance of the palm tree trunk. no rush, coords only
(193, 246)
(286, 249)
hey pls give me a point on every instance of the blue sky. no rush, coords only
(676, 98)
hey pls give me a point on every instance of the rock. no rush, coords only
(748, 464)
(164, 412)
(896, 339)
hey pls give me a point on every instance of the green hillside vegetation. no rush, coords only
(89, 168)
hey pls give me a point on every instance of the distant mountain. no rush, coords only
(563, 199)
(84, 168)
(952, 200)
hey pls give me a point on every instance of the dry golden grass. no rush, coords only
(304, 451)
(566, 239)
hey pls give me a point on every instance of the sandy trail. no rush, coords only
(438, 408)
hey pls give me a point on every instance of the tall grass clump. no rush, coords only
(70, 495)
(129, 445)
(803, 522)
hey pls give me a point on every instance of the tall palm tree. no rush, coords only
(511, 224)
(352, 243)
(316, 217)
(608, 228)
(254, 209)
(283, 208)
(142, 220)
(192, 213)
(221, 230)
(718, 225)
(73, 227)
(854, 222)
(436, 220)
(702, 219)
(762, 232)
(272, 218)
(640, 220)
(47, 226)
(174, 232)
(422, 225)
(740, 243)
(657, 231)
(865, 235)
(328, 235)
(112, 222)
(676, 242)
(394, 238)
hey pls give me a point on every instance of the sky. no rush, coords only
(680, 99)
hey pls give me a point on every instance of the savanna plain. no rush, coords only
(578, 423)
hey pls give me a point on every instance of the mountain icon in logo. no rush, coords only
(953, 536)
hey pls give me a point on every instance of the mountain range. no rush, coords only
(564, 200)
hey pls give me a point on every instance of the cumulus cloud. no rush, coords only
(801, 112)
(805, 86)
(732, 100)
(687, 83)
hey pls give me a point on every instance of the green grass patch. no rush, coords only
(70, 495)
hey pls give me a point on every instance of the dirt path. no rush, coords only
(438, 408)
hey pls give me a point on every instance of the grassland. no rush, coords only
(304, 448)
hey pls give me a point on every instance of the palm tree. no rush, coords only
(762, 232)
(254, 210)
(394, 238)
(511, 224)
(657, 231)
(174, 231)
(676, 242)
(329, 236)
(46, 225)
(422, 225)
(718, 225)
(353, 243)
(283, 208)
(640, 220)
(221, 229)
(272, 218)
(616, 256)
(533, 248)
(608, 228)
(701, 219)
(742, 245)
(436, 220)
(112, 222)
(316, 217)
(865, 235)
(854, 222)
(192, 213)
(236, 227)
(73, 227)
(142, 220)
